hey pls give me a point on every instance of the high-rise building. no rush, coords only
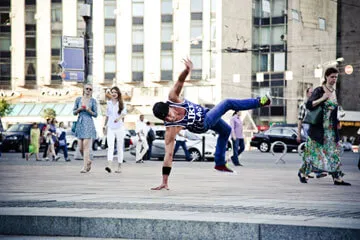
(240, 49)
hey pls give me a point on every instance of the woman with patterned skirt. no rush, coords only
(322, 148)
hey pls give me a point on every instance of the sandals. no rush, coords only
(86, 168)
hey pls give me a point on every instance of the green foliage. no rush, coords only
(5, 108)
(48, 113)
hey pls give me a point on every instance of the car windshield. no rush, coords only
(19, 128)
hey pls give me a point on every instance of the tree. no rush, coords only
(48, 113)
(5, 108)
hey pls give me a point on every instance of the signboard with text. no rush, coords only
(72, 59)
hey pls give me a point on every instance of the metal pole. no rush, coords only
(88, 37)
(203, 149)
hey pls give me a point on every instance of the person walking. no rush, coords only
(181, 142)
(86, 109)
(178, 114)
(149, 138)
(301, 115)
(141, 146)
(322, 147)
(237, 137)
(62, 144)
(114, 128)
(34, 141)
(53, 143)
(44, 137)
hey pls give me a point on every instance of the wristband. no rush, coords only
(166, 170)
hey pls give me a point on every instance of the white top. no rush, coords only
(141, 128)
(112, 114)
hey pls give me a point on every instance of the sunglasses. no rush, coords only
(88, 89)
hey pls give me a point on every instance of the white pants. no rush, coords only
(119, 134)
(141, 149)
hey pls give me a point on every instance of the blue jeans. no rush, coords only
(214, 122)
(238, 148)
(65, 150)
(183, 145)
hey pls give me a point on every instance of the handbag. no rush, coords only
(31, 148)
(313, 117)
(73, 127)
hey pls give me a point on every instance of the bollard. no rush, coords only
(23, 147)
(203, 149)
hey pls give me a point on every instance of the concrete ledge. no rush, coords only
(135, 228)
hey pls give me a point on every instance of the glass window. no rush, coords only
(56, 12)
(26, 110)
(110, 63)
(213, 29)
(166, 60)
(195, 30)
(58, 108)
(36, 111)
(4, 18)
(110, 37)
(287, 132)
(166, 7)
(5, 69)
(55, 68)
(30, 43)
(5, 43)
(274, 131)
(138, 36)
(16, 109)
(55, 41)
(265, 36)
(196, 58)
(213, 5)
(196, 5)
(279, 62)
(30, 66)
(68, 109)
(278, 7)
(138, 8)
(138, 63)
(109, 11)
(276, 34)
(278, 94)
(322, 24)
(264, 61)
(30, 15)
(166, 32)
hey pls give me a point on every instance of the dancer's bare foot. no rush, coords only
(162, 186)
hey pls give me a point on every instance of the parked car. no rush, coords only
(287, 135)
(72, 141)
(13, 136)
(193, 142)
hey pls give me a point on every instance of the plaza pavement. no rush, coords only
(263, 201)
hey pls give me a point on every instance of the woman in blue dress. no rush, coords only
(86, 108)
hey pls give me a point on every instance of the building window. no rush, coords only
(56, 41)
(5, 69)
(5, 43)
(4, 18)
(110, 63)
(166, 7)
(196, 5)
(110, 37)
(322, 24)
(196, 58)
(30, 43)
(30, 66)
(278, 8)
(109, 10)
(166, 32)
(55, 68)
(138, 8)
(138, 35)
(56, 12)
(166, 60)
(30, 15)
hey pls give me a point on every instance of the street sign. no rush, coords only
(72, 42)
(73, 59)
(349, 69)
(73, 76)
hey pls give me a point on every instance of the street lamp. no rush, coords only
(318, 71)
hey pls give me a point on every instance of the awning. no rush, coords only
(351, 116)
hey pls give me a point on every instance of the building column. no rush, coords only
(43, 43)
(98, 42)
(17, 48)
(124, 41)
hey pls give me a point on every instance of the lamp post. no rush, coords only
(318, 72)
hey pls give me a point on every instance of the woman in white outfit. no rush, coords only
(114, 128)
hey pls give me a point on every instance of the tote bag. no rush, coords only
(313, 117)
